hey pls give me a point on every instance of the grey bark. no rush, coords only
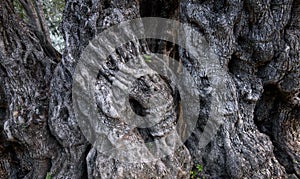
(257, 43)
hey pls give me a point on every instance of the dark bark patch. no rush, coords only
(137, 107)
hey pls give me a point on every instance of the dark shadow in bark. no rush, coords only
(159, 8)
(267, 118)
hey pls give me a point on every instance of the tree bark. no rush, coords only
(257, 43)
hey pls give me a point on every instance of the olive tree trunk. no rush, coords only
(257, 44)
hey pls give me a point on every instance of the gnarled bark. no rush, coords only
(257, 43)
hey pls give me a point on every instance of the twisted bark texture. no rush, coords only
(257, 43)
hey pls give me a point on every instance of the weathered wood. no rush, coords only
(257, 43)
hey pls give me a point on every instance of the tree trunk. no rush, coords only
(257, 46)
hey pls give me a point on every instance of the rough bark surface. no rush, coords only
(257, 43)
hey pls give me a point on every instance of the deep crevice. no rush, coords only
(265, 108)
(137, 107)
(164, 9)
(267, 120)
(145, 134)
(85, 171)
(159, 8)
(232, 64)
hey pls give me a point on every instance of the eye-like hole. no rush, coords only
(137, 107)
